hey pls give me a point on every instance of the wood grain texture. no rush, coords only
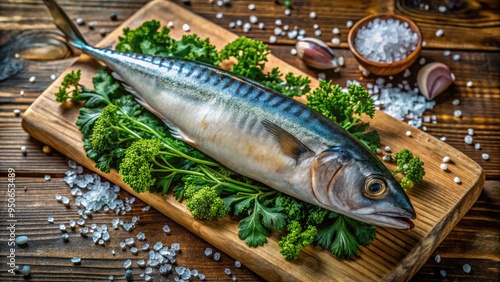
(474, 240)
(394, 255)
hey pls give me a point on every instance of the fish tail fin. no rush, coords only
(64, 23)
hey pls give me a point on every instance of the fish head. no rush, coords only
(361, 188)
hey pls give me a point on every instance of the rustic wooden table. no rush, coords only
(471, 29)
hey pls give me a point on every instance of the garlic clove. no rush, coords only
(433, 79)
(316, 53)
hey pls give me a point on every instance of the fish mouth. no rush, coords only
(395, 220)
(392, 220)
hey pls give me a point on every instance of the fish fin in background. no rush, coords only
(176, 133)
(64, 23)
(289, 144)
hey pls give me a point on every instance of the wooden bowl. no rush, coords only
(382, 68)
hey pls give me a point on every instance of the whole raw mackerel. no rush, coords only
(258, 132)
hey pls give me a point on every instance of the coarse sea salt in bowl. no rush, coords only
(385, 44)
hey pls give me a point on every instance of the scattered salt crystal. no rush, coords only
(470, 131)
(50, 219)
(272, 39)
(457, 113)
(437, 258)
(72, 223)
(468, 139)
(442, 272)
(477, 146)
(446, 159)
(485, 156)
(456, 57)
(251, 7)
(469, 84)
(335, 41)
(237, 264)
(219, 15)
(21, 240)
(317, 32)
(442, 138)
(278, 22)
(65, 200)
(145, 247)
(424, 128)
(129, 241)
(315, 26)
(127, 264)
(141, 236)
(170, 24)
(341, 61)
(62, 227)
(157, 246)
(452, 76)
(21, 92)
(443, 166)
(79, 21)
(408, 133)
(133, 250)
(424, 43)
(146, 208)
(387, 148)
(422, 61)
(52, 77)
(186, 27)
(349, 24)
(239, 23)
(208, 252)
(16, 55)
(253, 19)
(76, 260)
(446, 53)
(65, 236)
(455, 102)
(467, 268)
(247, 27)
(406, 73)
(287, 12)
(439, 32)
(25, 270)
(227, 271)
(442, 9)
(457, 180)
(201, 276)
(217, 256)
(312, 15)
(261, 25)
(336, 30)
(47, 177)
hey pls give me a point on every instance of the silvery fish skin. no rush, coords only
(258, 133)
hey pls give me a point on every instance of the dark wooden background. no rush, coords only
(471, 29)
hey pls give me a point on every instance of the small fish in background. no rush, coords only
(257, 132)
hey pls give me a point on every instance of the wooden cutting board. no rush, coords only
(394, 255)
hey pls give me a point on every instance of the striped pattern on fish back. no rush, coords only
(206, 83)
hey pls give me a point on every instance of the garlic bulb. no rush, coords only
(433, 79)
(316, 53)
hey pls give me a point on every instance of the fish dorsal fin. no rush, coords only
(176, 132)
(289, 144)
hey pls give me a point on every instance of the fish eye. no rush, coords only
(375, 187)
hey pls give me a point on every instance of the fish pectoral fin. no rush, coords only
(176, 132)
(289, 144)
